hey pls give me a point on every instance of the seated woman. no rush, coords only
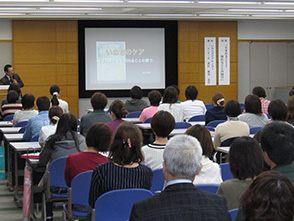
(55, 101)
(169, 103)
(11, 107)
(98, 140)
(55, 113)
(28, 102)
(124, 169)
(269, 197)
(154, 98)
(210, 172)
(117, 111)
(246, 162)
(64, 142)
(232, 127)
(217, 112)
(290, 110)
(253, 115)
(162, 124)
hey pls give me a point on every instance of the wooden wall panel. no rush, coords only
(191, 36)
(46, 53)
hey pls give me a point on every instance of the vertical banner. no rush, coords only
(210, 61)
(224, 61)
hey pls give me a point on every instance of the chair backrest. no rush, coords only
(210, 128)
(208, 106)
(242, 105)
(226, 172)
(21, 124)
(80, 186)
(35, 138)
(157, 181)
(148, 120)
(214, 123)
(197, 118)
(227, 142)
(212, 188)
(8, 117)
(134, 114)
(233, 213)
(253, 130)
(56, 169)
(182, 125)
(22, 130)
(117, 205)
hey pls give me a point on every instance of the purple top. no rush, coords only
(114, 125)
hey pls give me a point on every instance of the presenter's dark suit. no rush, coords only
(6, 81)
(181, 202)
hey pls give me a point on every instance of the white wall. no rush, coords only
(6, 30)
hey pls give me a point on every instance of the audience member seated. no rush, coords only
(260, 93)
(291, 92)
(232, 127)
(37, 122)
(136, 103)
(55, 100)
(269, 197)
(253, 115)
(27, 112)
(169, 104)
(191, 106)
(154, 99)
(246, 162)
(13, 87)
(55, 113)
(178, 90)
(217, 112)
(210, 172)
(11, 107)
(124, 169)
(277, 142)
(290, 110)
(162, 124)
(117, 111)
(277, 110)
(98, 102)
(98, 140)
(180, 200)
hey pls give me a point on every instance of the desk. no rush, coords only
(177, 131)
(5, 124)
(222, 150)
(132, 120)
(10, 130)
(13, 137)
(19, 148)
(202, 123)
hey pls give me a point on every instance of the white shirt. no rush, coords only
(192, 108)
(175, 109)
(23, 115)
(46, 131)
(153, 156)
(63, 105)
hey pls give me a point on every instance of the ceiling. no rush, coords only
(147, 9)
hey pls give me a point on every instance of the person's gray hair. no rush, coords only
(182, 156)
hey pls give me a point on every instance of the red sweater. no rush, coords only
(80, 162)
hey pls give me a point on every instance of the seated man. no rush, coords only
(181, 200)
(136, 103)
(162, 125)
(277, 110)
(277, 142)
(98, 115)
(37, 122)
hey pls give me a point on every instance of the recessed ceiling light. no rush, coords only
(68, 8)
(254, 10)
(229, 2)
(161, 2)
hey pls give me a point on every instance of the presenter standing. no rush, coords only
(10, 77)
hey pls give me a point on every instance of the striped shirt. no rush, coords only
(108, 176)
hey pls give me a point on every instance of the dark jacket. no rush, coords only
(215, 113)
(5, 80)
(135, 105)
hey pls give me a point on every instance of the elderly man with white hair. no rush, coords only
(181, 200)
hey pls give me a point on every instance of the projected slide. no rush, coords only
(119, 58)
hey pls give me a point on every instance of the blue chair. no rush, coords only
(268, 116)
(212, 188)
(210, 128)
(214, 123)
(182, 125)
(208, 106)
(8, 117)
(55, 180)
(116, 205)
(242, 105)
(253, 130)
(226, 172)
(35, 138)
(197, 118)
(134, 114)
(21, 124)
(22, 130)
(227, 142)
(78, 194)
(157, 181)
(233, 213)
(148, 120)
